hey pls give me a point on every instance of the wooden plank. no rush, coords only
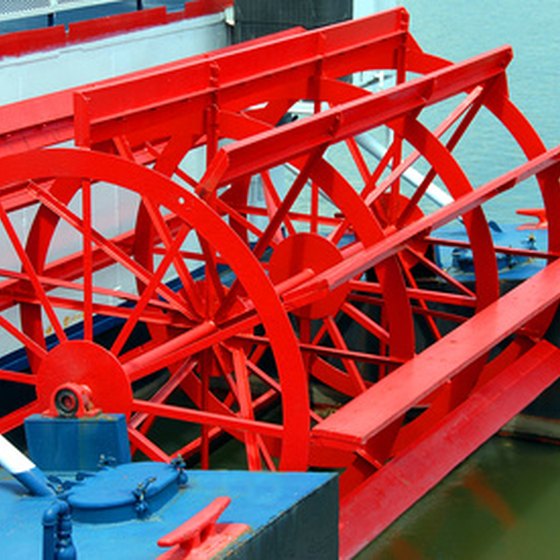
(380, 500)
(391, 397)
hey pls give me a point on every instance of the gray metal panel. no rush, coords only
(311, 526)
(255, 18)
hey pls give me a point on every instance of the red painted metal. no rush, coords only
(16, 44)
(72, 400)
(201, 535)
(81, 362)
(271, 65)
(539, 213)
(197, 335)
(90, 106)
(195, 8)
(372, 507)
(362, 261)
(25, 42)
(48, 120)
(116, 24)
(302, 328)
(369, 413)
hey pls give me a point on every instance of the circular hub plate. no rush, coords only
(88, 364)
(308, 250)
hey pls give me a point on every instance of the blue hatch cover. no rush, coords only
(124, 492)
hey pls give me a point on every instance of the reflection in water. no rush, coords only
(501, 504)
(476, 481)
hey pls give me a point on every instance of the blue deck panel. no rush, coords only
(510, 269)
(291, 515)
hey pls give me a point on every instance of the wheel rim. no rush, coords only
(83, 171)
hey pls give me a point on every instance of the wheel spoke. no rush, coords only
(366, 322)
(427, 295)
(186, 177)
(349, 365)
(148, 292)
(204, 405)
(253, 358)
(212, 280)
(273, 202)
(369, 187)
(472, 104)
(450, 317)
(265, 454)
(32, 275)
(373, 189)
(269, 233)
(321, 331)
(221, 353)
(314, 211)
(316, 349)
(17, 287)
(371, 184)
(147, 446)
(287, 203)
(149, 316)
(237, 217)
(159, 224)
(108, 247)
(423, 305)
(29, 344)
(161, 395)
(122, 144)
(442, 274)
(15, 419)
(208, 418)
(18, 377)
(358, 158)
(87, 259)
(263, 376)
(246, 406)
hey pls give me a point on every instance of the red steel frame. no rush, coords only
(240, 349)
(23, 42)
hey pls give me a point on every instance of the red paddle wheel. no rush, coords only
(64, 184)
(273, 284)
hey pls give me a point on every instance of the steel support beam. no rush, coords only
(374, 505)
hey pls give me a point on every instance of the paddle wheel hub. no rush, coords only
(72, 400)
(80, 378)
(308, 251)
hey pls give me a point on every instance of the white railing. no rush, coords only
(18, 9)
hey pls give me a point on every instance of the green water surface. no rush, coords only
(503, 503)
